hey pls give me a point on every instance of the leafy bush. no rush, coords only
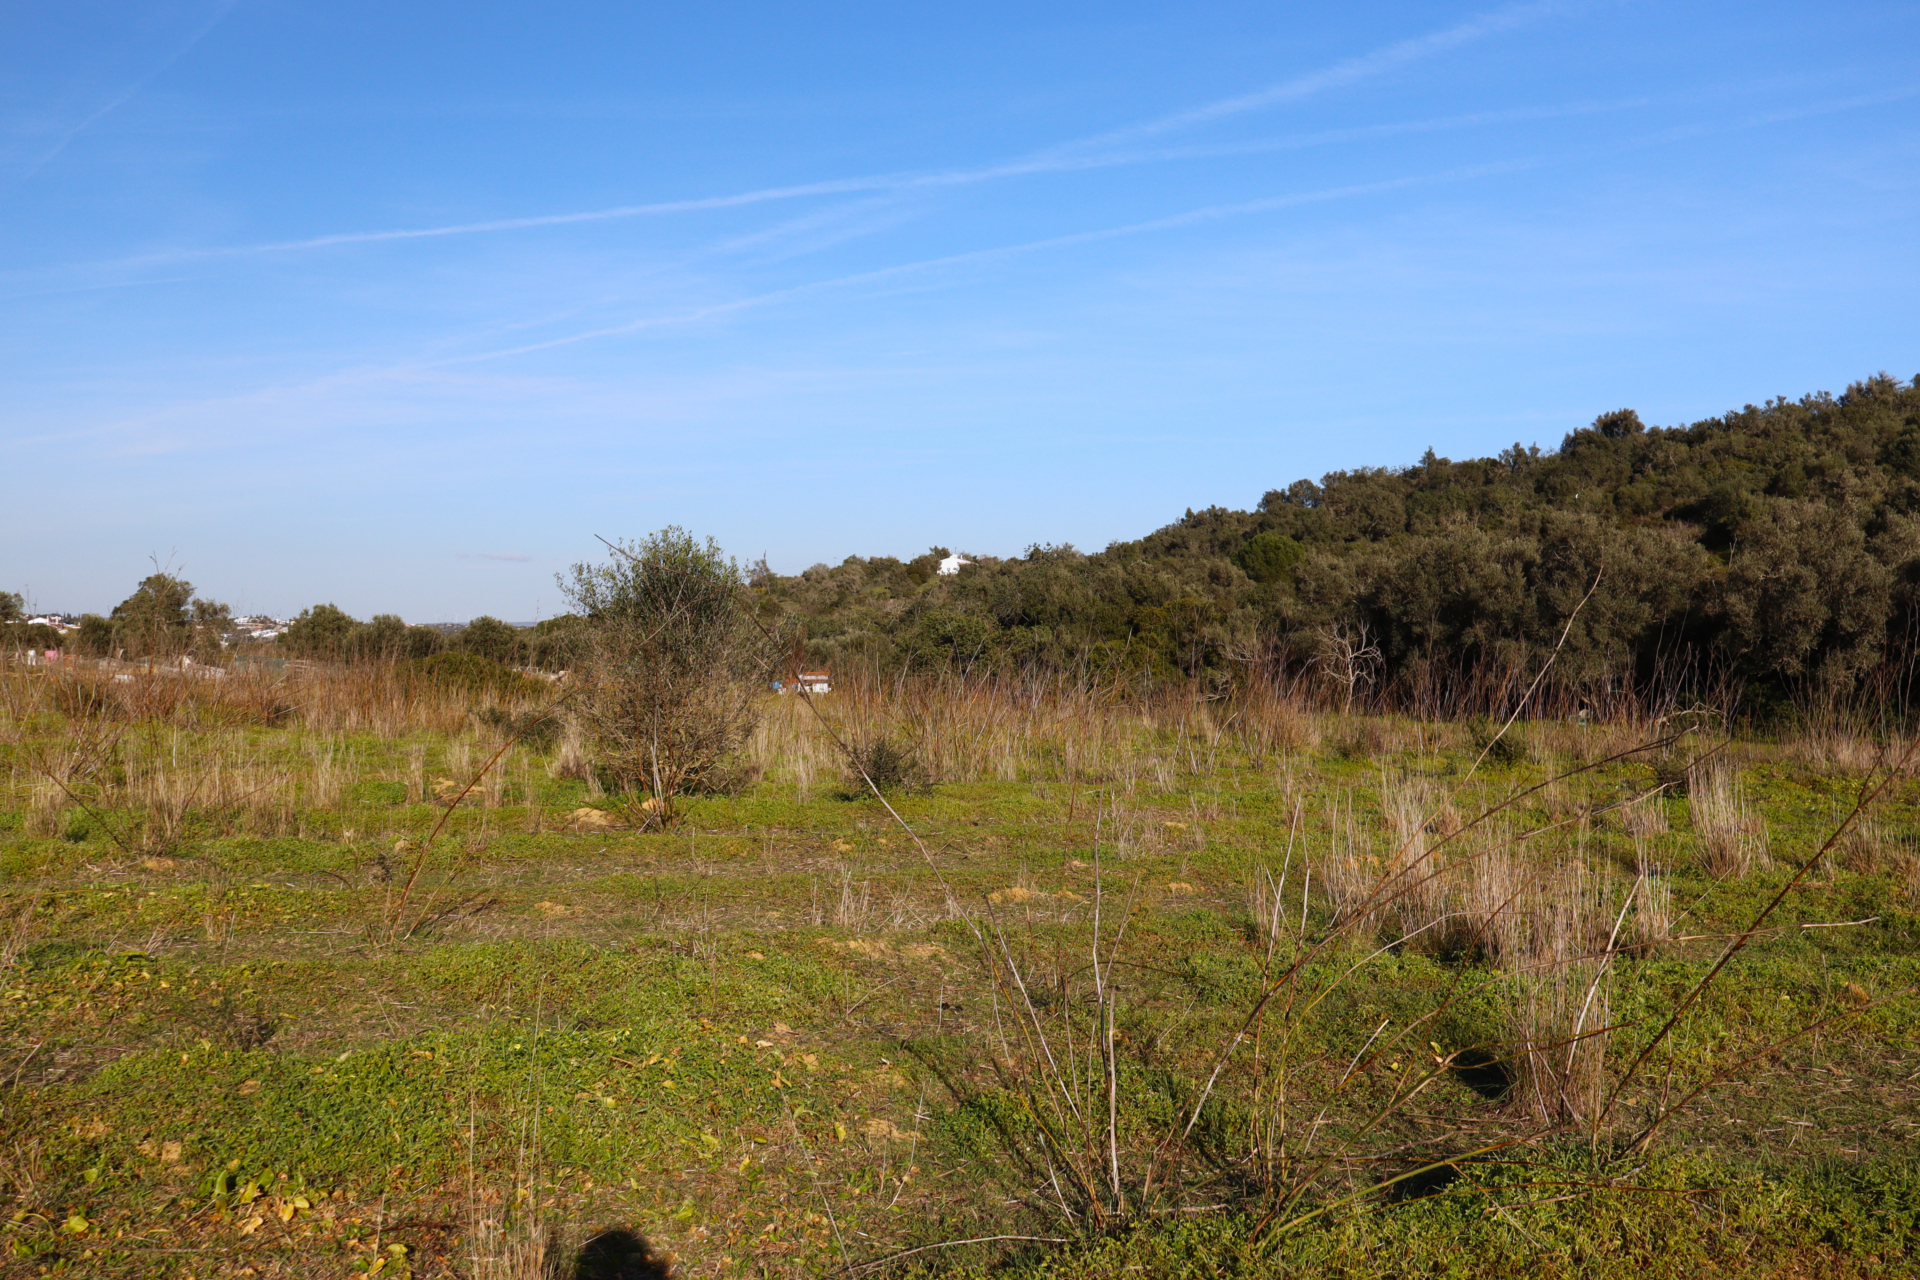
(891, 766)
(1269, 556)
(489, 638)
(1503, 749)
(320, 631)
(673, 665)
(536, 730)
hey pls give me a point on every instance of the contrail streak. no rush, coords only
(1337, 76)
(220, 13)
(1056, 159)
(1207, 214)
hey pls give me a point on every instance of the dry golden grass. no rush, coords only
(1731, 837)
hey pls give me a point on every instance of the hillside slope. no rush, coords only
(1776, 548)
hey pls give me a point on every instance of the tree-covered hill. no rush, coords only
(1775, 548)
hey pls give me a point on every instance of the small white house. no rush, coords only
(953, 562)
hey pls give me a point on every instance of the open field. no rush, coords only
(255, 1022)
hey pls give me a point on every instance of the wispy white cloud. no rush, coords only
(1189, 217)
(812, 232)
(1092, 152)
(1341, 74)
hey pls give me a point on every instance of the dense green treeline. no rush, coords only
(1770, 555)
(1774, 549)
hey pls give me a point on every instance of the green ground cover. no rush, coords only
(774, 1040)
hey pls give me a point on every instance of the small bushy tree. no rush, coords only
(491, 639)
(673, 666)
(383, 638)
(164, 619)
(95, 637)
(322, 631)
(557, 644)
(154, 620)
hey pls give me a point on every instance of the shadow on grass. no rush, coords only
(619, 1254)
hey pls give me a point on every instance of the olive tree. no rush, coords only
(164, 619)
(672, 665)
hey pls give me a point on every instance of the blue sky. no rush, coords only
(398, 305)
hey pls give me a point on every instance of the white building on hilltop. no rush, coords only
(953, 562)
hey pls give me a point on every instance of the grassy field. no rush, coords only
(1131, 984)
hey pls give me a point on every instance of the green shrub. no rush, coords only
(1269, 557)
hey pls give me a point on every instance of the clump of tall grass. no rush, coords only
(1562, 945)
(1730, 837)
(1270, 721)
(1652, 919)
(1644, 818)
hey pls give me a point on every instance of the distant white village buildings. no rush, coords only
(258, 627)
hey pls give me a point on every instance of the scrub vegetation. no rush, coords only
(1348, 944)
(1769, 555)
